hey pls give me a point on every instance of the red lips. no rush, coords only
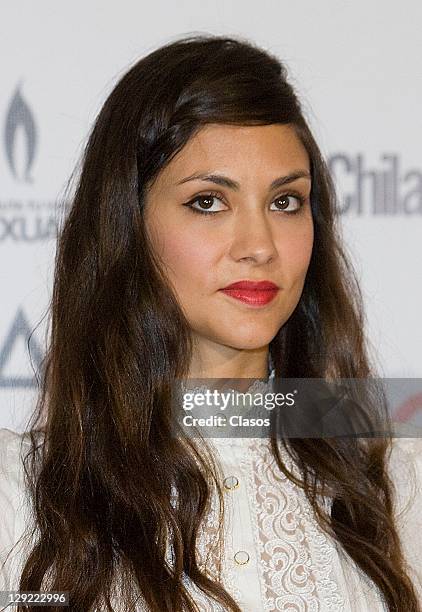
(253, 293)
(264, 285)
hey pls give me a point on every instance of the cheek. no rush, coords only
(189, 259)
(295, 250)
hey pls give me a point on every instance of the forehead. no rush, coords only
(273, 148)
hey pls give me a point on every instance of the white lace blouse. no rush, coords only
(276, 557)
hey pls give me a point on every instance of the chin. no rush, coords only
(249, 340)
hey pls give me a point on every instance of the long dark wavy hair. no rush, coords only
(101, 477)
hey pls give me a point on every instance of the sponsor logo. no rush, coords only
(19, 118)
(385, 190)
(29, 219)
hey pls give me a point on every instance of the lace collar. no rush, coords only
(257, 386)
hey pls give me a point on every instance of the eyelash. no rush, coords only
(301, 199)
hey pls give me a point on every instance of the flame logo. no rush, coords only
(19, 116)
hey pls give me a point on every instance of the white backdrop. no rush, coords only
(356, 64)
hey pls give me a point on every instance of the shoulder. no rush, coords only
(405, 470)
(13, 447)
(11, 440)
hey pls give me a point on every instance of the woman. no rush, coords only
(125, 513)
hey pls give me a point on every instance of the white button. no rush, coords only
(231, 482)
(241, 557)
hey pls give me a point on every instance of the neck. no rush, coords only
(215, 361)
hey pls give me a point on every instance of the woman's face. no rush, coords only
(248, 235)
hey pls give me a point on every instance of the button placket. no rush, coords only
(231, 482)
(242, 544)
(241, 557)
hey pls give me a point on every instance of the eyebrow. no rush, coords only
(225, 181)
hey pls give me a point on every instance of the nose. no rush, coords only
(253, 238)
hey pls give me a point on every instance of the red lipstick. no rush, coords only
(254, 293)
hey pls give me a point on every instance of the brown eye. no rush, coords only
(202, 203)
(205, 201)
(283, 201)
